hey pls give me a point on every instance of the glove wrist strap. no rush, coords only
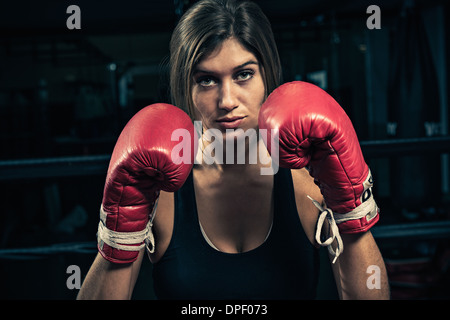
(127, 241)
(367, 209)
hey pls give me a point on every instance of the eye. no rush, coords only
(245, 75)
(206, 81)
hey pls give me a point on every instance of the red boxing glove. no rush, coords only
(314, 131)
(141, 165)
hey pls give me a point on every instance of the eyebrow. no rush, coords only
(234, 69)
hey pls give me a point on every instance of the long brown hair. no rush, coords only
(207, 24)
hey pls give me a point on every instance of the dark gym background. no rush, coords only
(66, 94)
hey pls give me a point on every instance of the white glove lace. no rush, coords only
(327, 215)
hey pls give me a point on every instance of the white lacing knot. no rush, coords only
(327, 214)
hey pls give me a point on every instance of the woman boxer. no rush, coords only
(231, 232)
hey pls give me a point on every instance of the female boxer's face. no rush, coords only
(228, 88)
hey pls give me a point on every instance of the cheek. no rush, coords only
(202, 105)
(197, 102)
(259, 95)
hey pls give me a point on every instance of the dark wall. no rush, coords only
(66, 94)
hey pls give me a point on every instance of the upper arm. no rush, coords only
(163, 224)
(304, 186)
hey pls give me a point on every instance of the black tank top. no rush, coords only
(285, 266)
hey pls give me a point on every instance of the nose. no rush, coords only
(227, 96)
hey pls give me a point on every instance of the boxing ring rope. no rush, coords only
(403, 147)
(34, 253)
(98, 164)
(53, 167)
(428, 230)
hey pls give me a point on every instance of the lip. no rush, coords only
(230, 122)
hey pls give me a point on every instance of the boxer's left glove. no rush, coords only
(314, 131)
(141, 165)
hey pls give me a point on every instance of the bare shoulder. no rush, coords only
(304, 186)
(163, 224)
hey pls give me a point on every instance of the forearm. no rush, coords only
(108, 281)
(360, 271)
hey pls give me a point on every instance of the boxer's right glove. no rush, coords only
(141, 165)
